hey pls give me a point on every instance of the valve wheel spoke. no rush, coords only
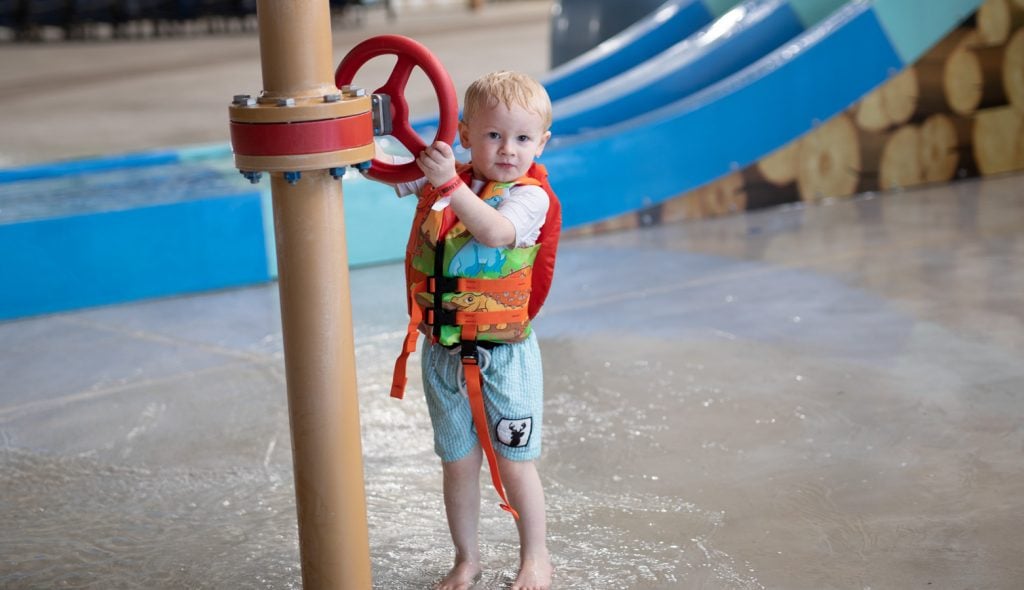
(410, 55)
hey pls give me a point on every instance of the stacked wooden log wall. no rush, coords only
(957, 113)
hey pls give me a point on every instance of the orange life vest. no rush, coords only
(490, 299)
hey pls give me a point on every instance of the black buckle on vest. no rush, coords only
(469, 352)
(438, 285)
(439, 281)
(439, 316)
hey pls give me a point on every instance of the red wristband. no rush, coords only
(448, 188)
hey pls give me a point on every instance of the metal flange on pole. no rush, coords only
(304, 131)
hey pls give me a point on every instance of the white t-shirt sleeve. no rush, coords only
(404, 189)
(526, 207)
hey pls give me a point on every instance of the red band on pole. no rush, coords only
(306, 137)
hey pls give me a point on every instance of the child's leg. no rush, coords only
(462, 504)
(526, 494)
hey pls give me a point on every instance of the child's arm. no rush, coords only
(489, 227)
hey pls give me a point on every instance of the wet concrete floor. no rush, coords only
(798, 398)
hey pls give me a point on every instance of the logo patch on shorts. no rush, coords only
(514, 433)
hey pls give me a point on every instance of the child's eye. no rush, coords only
(524, 138)
(493, 135)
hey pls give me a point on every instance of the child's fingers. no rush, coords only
(428, 160)
(438, 156)
(443, 149)
(437, 162)
(439, 151)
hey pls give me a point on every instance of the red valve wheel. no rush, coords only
(410, 54)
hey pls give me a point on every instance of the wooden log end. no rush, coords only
(829, 160)
(996, 140)
(993, 22)
(720, 197)
(940, 146)
(900, 165)
(900, 96)
(962, 77)
(780, 166)
(1013, 70)
(869, 114)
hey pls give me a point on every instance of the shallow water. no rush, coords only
(756, 402)
(79, 523)
(113, 517)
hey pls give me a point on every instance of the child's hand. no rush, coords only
(437, 161)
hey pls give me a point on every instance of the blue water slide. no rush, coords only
(746, 116)
(738, 38)
(663, 28)
(663, 64)
(671, 22)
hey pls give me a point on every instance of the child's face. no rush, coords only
(504, 141)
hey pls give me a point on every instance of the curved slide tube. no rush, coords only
(672, 21)
(644, 39)
(737, 39)
(746, 116)
(657, 44)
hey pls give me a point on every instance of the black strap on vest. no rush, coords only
(439, 311)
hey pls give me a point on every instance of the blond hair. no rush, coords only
(510, 89)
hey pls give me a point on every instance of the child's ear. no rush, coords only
(543, 142)
(464, 134)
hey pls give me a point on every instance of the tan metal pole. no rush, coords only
(316, 316)
(320, 369)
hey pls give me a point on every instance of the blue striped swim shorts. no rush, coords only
(513, 387)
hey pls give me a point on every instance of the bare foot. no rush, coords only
(534, 574)
(462, 577)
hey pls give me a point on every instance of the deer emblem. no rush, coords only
(515, 433)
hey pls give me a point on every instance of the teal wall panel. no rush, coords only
(914, 27)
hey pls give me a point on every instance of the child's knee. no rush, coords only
(470, 463)
(516, 470)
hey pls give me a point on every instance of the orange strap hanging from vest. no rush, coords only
(474, 383)
(398, 378)
(474, 389)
